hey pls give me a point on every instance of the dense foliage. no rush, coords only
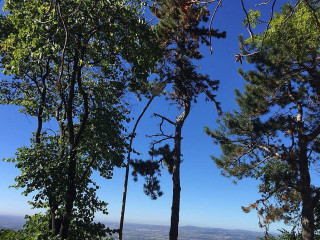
(70, 63)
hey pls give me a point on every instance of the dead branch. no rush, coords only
(263, 3)
(248, 20)
(164, 118)
(210, 25)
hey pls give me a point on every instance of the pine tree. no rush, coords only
(180, 33)
(275, 135)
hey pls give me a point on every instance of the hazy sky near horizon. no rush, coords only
(207, 198)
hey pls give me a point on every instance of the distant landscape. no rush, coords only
(150, 111)
(156, 232)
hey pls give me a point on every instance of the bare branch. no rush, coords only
(65, 43)
(263, 3)
(161, 140)
(259, 163)
(51, 130)
(237, 159)
(269, 22)
(291, 13)
(210, 25)
(160, 135)
(239, 55)
(164, 118)
(150, 21)
(248, 19)
(265, 148)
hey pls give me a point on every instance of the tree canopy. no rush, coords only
(275, 135)
(71, 63)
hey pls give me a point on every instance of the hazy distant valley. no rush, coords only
(156, 232)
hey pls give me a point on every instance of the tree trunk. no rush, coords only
(175, 207)
(70, 196)
(307, 218)
(54, 222)
(125, 188)
(124, 198)
(72, 163)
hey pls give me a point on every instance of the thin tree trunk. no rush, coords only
(54, 222)
(175, 207)
(72, 163)
(43, 95)
(307, 218)
(40, 112)
(125, 188)
(70, 196)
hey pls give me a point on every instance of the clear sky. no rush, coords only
(207, 198)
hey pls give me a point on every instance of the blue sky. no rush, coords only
(207, 198)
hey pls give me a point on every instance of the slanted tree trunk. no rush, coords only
(175, 207)
(125, 188)
(124, 197)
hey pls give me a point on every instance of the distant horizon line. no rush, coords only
(151, 224)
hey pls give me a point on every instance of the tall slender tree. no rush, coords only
(181, 32)
(155, 91)
(275, 135)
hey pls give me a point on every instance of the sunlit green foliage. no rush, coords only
(274, 136)
(70, 63)
(36, 228)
